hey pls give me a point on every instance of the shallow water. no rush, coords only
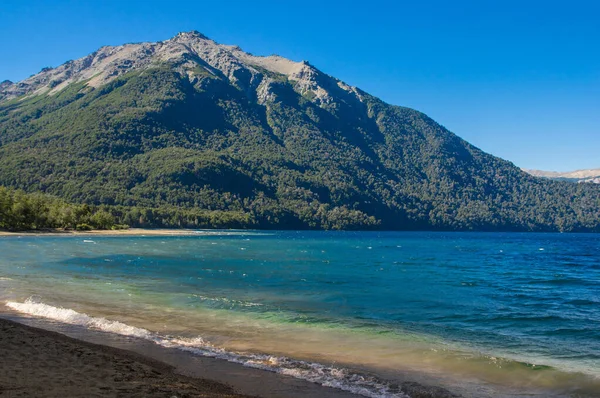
(479, 313)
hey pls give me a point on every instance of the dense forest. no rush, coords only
(20, 211)
(170, 146)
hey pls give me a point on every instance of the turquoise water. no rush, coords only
(478, 313)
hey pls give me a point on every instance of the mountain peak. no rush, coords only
(191, 34)
(186, 52)
(4, 85)
(194, 33)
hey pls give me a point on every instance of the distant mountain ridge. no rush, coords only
(188, 50)
(586, 175)
(158, 130)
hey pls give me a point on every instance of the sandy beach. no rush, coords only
(116, 232)
(42, 358)
(40, 363)
(52, 359)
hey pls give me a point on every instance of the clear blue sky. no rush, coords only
(519, 79)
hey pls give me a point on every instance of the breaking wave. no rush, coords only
(329, 376)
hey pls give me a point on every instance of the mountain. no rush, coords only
(5, 85)
(587, 175)
(594, 180)
(159, 132)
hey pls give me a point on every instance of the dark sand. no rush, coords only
(40, 363)
(53, 359)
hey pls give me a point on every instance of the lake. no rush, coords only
(482, 314)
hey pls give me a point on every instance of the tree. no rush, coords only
(102, 220)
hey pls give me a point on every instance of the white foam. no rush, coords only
(227, 300)
(328, 376)
(72, 317)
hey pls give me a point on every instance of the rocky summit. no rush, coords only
(186, 130)
(191, 54)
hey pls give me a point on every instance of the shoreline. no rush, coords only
(104, 232)
(50, 359)
(39, 362)
(37, 345)
(200, 231)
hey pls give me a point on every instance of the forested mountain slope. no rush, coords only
(189, 124)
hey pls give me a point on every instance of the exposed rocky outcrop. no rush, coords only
(5, 84)
(194, 55)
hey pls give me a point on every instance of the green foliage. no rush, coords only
(102, 220)
(159, 149)
(20, 211)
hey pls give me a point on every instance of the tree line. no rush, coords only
(20, 211)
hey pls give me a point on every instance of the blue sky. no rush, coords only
(519, 79)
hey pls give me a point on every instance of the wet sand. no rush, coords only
(40, 363)
(52, 359)
(49, 362)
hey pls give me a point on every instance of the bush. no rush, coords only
(102, 220)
